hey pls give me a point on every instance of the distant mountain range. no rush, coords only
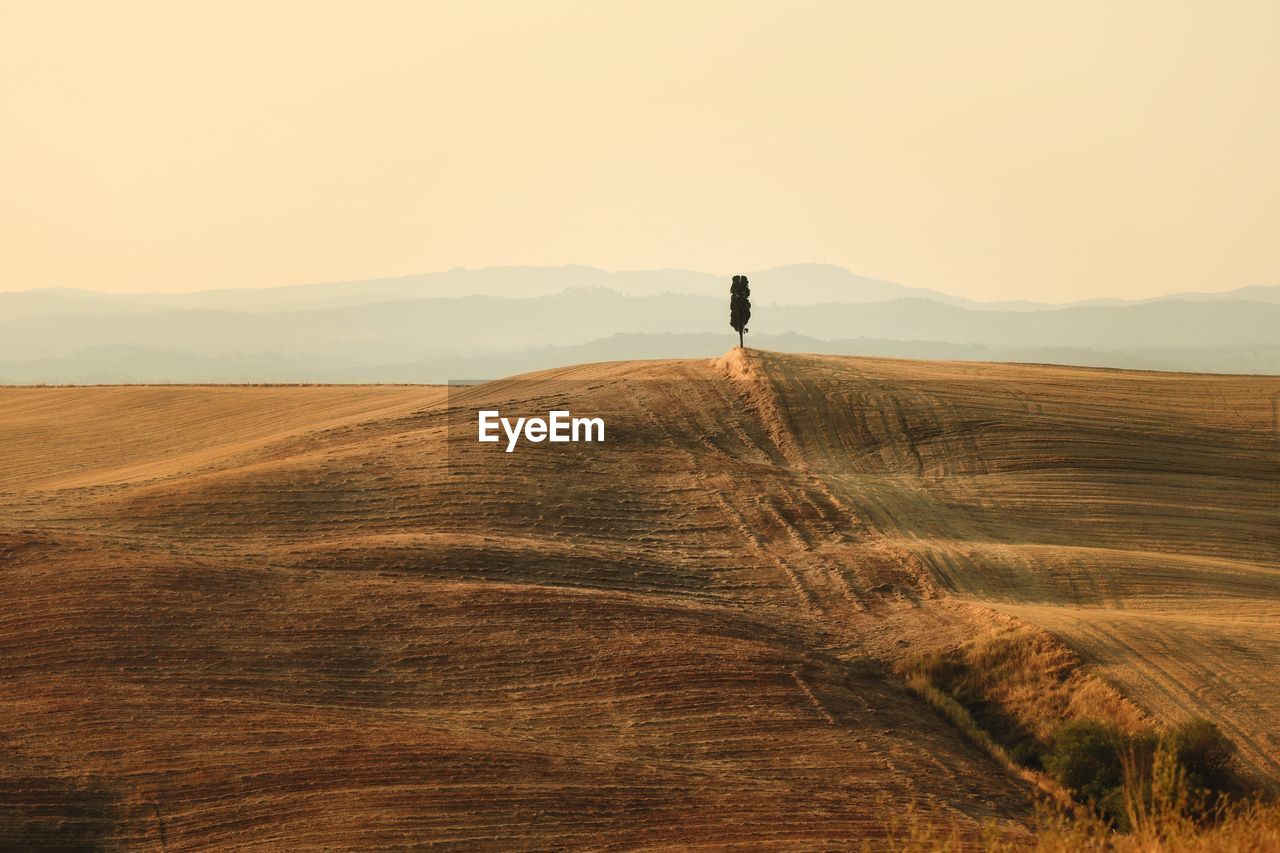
(492, 322)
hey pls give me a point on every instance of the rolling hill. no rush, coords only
(306, 617)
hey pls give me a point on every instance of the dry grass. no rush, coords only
(1160, 816)
(275, 617)
(1012, 686)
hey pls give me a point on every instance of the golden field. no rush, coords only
(314, 617)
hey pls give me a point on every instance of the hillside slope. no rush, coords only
(318, 617)
(1135, 515)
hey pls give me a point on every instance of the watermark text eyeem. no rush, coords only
(558, 427)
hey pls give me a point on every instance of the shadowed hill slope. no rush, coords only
(316, 617)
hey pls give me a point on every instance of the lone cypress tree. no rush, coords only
(739, 305)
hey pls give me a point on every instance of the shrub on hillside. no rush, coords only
(1085, 758)
(1102, 765)
(1204, 753)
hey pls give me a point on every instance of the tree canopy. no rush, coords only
(739, 305)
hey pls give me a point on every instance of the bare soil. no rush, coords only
(292, 618)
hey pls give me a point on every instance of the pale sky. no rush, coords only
(1041, 150)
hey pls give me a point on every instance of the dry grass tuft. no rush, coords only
(1011, 688)
(1162, 825)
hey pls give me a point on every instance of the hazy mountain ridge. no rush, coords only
(387, 330)
(793, 284)
(803, 284)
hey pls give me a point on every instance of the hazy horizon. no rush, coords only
(997, 151)
(505, 321)
(569, 266)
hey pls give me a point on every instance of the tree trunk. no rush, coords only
(740, 346)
